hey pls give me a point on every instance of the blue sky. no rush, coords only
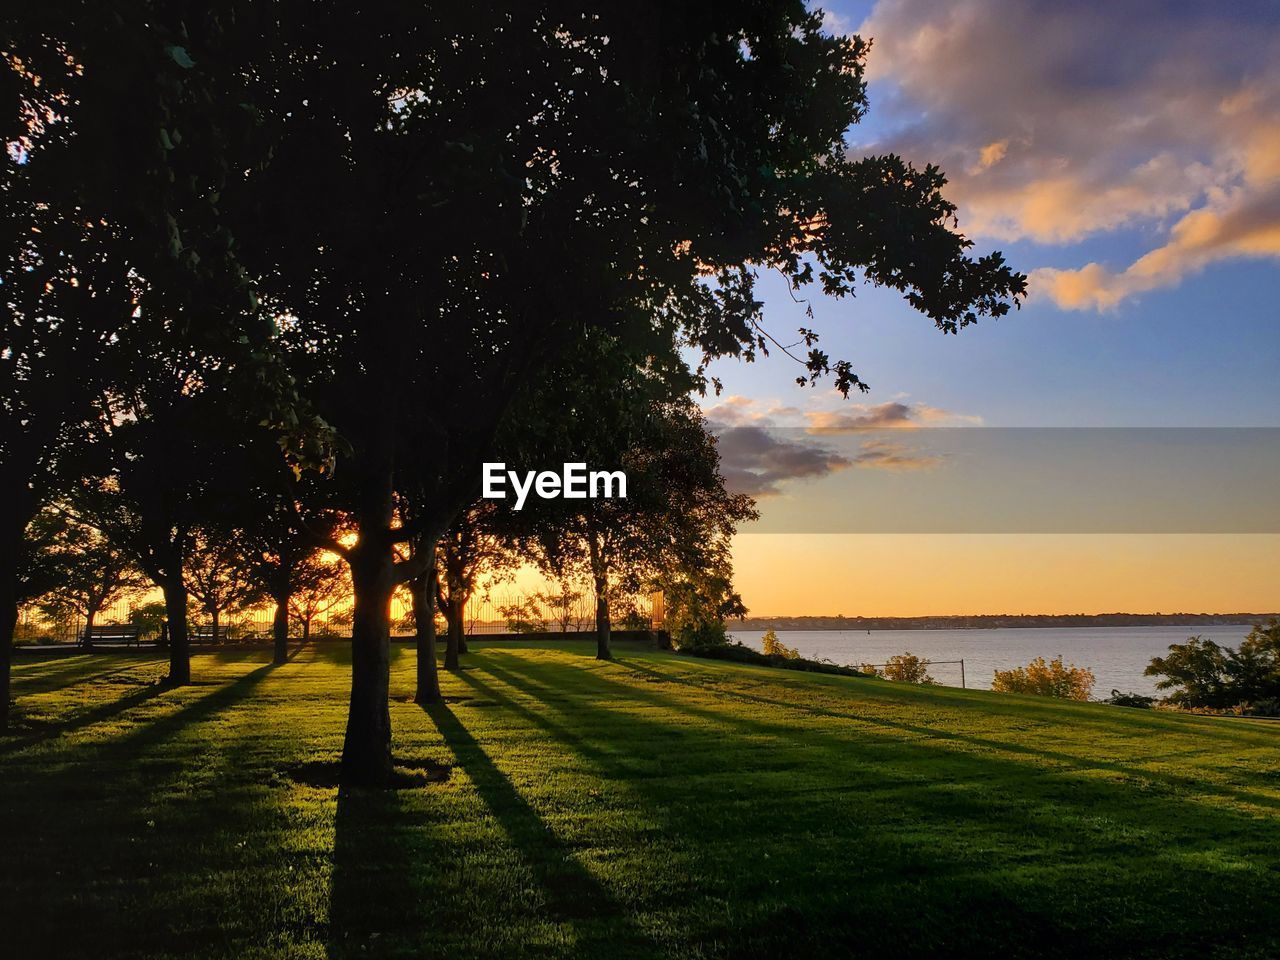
(1126, 156)
(1195, 342)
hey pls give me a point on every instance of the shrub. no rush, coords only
(902, 668)
(1118, 699)
(1051, 679)
(773, 647)
(741, 653)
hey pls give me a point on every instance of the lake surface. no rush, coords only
(1116, 655)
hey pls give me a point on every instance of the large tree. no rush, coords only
(675, 514)
(113, 241)
(444, 197)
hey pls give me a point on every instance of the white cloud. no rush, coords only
(1058, 121)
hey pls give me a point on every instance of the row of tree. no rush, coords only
(393, 240)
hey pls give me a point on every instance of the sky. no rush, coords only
(1127, 158)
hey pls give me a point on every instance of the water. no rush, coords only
(1116, 655)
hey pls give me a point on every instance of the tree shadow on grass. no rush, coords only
(393, 890)
(1129, 767)
(944, 825)
(573, 895)
(98, 714)
(76, 840)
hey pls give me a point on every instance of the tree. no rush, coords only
(108, 193)
(92, 576)
(675, 510)
(475, 543)
(446, 197)
(903, 668)
(773, 647)
(320, 584)
(1052, 679)
(149, 482)
(216, 576)
(699, 599)
(1202, 674)
(425, 590)
(609, 406)
(278, 525)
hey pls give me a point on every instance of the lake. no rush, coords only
(1116, 655)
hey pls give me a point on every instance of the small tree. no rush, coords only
(216, 577)
(93, 575)
(1052, 679)
(523, 616)
(774, 647)
(565, 606)
(321, 585)
(902, 668)
(148, 618)
(475, 543)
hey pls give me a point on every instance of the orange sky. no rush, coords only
(932, 574)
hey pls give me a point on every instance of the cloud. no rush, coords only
(755, 461)
(1237, 226)
(737, 409)
(764, 444)
(890, 455)
(1057, 122)
(859, 417)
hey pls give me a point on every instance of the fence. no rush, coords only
(564, 611)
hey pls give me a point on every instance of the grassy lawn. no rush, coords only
(654, 807)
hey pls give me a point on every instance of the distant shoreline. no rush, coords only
(1001, 621)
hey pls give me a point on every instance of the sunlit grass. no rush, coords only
(656, 806)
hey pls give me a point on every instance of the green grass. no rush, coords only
(658, 806)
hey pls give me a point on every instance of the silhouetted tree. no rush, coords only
(445, 197)
(108, 216)
(476, 543)
(93, 575)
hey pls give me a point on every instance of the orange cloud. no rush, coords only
(1243, 225)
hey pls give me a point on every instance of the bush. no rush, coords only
(773, 647)
(697, 635)
(902, 668)
(741, 653)
(1118, 699)
(1051, 679)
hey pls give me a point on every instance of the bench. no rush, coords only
(205, 634)
(116, 633)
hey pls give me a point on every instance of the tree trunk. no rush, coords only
(424, 619)
(366, 751)
(90, 614)
(602, 621)
(175, 610)
(453, 613)
(306, 629)
(280, 629)
(213, 635)
(8, 623)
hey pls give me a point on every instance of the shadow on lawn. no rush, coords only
(83, 813)
(385, 855)
(98, 714)
(966, 883)
(1072, 761)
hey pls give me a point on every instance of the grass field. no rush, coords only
(654, 807)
